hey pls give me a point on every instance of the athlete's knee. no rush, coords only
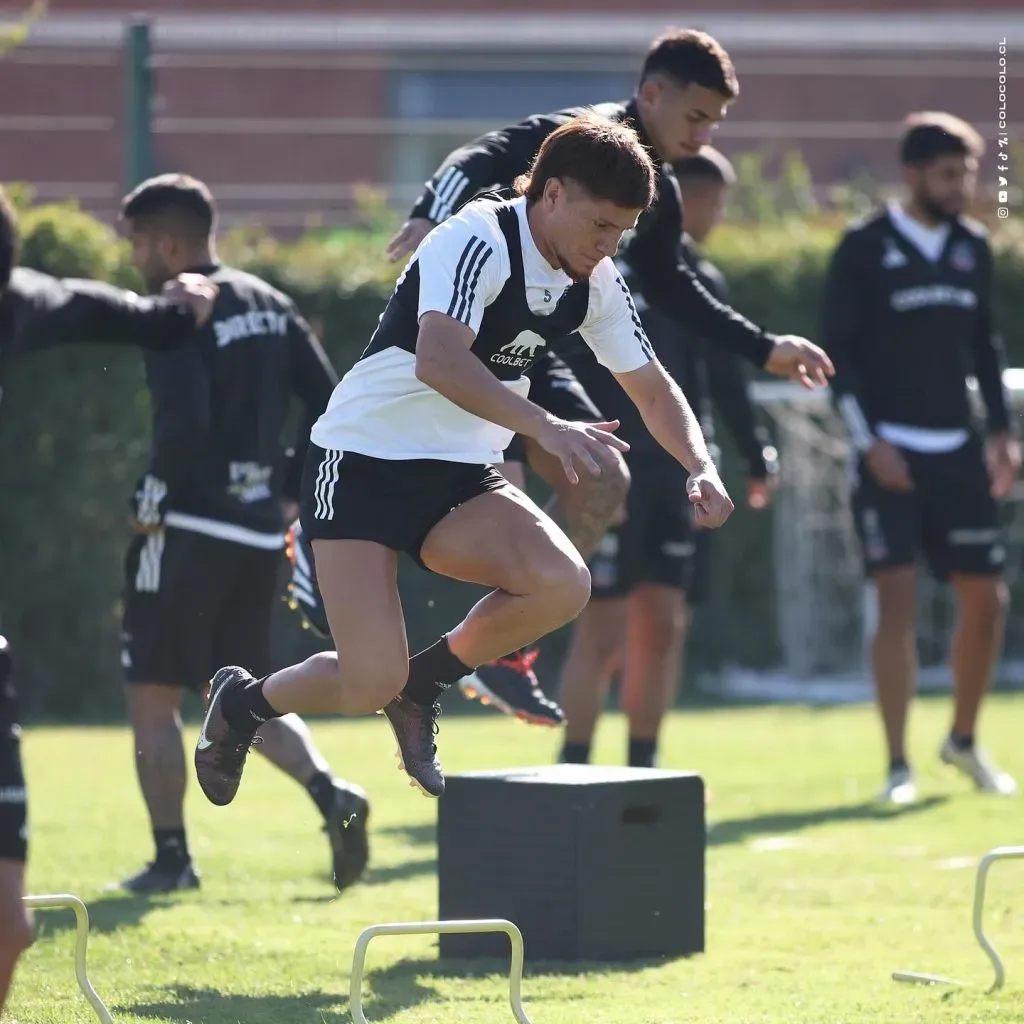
(153, 706)
(985, 601)
(616, 479)
(896, 592)
(663, 612)
(599, 646)
(604, 493)
(563, 583)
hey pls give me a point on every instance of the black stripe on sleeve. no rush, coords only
(472, 288)
(458, 273)
(638, 328)
(464, 302)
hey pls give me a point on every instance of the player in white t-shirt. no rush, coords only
(402, 460)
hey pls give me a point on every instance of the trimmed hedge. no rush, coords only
(74, 433)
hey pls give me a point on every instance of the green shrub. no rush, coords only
(74, 433)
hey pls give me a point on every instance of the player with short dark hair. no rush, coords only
(210, 515)
(37, 312)
(907, 317)
(402, 460)
(653, 568)
(686, 83)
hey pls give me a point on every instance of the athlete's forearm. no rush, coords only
(667, 415)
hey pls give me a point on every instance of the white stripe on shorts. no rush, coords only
(326, 478)
(147, 577)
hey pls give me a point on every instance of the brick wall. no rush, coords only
(285, 136)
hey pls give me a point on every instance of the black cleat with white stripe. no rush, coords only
(221, 750)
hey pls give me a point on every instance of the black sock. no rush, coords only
(961, 742)
(642, 753)
(171, 847)
(431, 672)
(898, 763)
(575, 753)
(321, 789)
(245, 707)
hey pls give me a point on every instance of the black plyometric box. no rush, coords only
(591, 863)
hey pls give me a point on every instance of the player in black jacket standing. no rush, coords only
(209, 514)
(906, 317)
(650, 570)
(37, 312)
(686, 83)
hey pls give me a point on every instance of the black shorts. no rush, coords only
(13, 805)
(554, 387)
(393, 502)
(193, 604)
(950, 517)
(657, 543)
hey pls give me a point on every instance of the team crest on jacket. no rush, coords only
(961, 257)
(893, 256)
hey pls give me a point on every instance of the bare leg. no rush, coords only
(358, 580)
(977, 643)
(15, 922)
(598, 640)
(895, 653)
(584, 510)
(654, 644)
(540, 579)
(515, 474)
(288, 744)
(155, 713)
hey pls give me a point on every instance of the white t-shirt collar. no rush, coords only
(928, 241)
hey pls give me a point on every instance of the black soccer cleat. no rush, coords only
(511, 685)
(157, 878)
(303, 592)
(347, 830)
(414, 727)
(221, 750)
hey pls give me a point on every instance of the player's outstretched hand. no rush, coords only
(800, 360)
(581, 444)
(708, 497)
(409, 236)
(888, 466)
(1002, 454)
(193, 290)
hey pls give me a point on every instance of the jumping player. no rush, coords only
(403, 458)
(687, 83)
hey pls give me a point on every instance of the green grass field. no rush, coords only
(815, 895)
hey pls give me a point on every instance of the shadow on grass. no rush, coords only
(108, 912)
(400, 872)
(184, 1003)
(407, 983)
(736, 830)
(411, 835)
(400, 986)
